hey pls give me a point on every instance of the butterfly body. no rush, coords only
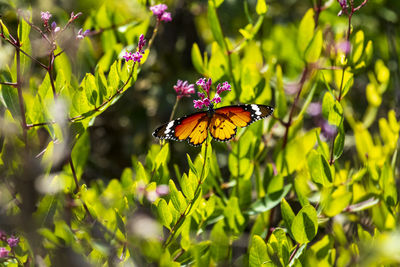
(221, 123)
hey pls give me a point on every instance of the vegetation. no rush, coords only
(83, 182)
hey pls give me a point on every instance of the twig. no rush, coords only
(289, 123)
(294, 252)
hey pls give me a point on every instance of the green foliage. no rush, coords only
(314, 185)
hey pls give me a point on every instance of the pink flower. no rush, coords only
(141, 44)
(183, 89)
(13, 241)
(158, 10)
(216, 99)
(54, 27)
(198, 104)
(136, 57)
(166, 17)
(205, 84)
(162, 190)
(45, 16)
(224, 87)
(81, 34)
(206, 102)
(75, 16)
(4, 252)
(127, 56)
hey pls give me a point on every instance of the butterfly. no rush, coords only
(221, 123)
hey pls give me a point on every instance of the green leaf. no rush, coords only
(177, 198)
(279, 243)
(220, 243)
(306, 31)
(62, 63)
(388, 185)
(280, 97)
(214, 24)
(164, 213)
(120, 222)
(4, 30)
(358, 46)
(335, 201)
(113, 80)
(234, 215)
(319, 168)
(197, 59)
(313, 50)
(23, 33)
(141, 174)
(269, 201)
(332, 110)
(293, 157)
(339, 143)
(10, 97)
(91, 90)
(258, 252)
(188, 184)
(162, 156)
(192, 167)
(305, 225)
(287, 214)
(261, 7)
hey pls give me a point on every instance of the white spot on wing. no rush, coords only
(169, 126)
(256, 109)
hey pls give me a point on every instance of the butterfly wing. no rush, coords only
(225, 120)
(193, 128)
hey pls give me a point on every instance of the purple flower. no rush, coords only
(141, 44)
(205, 84)
(54, 27)
(344, 46)
(198, 104)
(158, 10)
(127, 56)
(314, 109)
(328, 130)
(13, 241)
(216, 99)
(206, 102)
(136, 57)
(45, 16)
(342, 3)
(166, 17)
(4, 252)
(224, 87)
(205, 97)
(183, 89)
(81, 34)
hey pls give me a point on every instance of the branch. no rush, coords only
(289, 123)
(118, 92)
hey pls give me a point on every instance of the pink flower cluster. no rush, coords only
(11, 241)
(159, 12)
(53, 28)
(183, 89)
(205, 85)
(152, 195)
(136, 56)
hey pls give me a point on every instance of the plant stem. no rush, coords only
(350, 15)
(174, 108)
(289, 123)
(19, 89)
(189, 207)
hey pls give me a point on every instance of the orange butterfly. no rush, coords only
(222, 123)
